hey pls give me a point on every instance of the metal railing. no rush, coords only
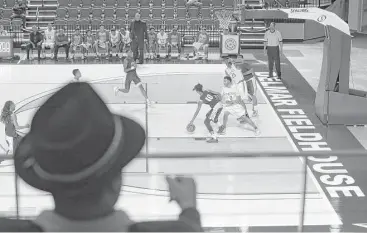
(304, 169)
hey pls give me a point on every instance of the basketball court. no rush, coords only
(233, 192)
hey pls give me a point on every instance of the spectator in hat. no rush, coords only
(75, 150)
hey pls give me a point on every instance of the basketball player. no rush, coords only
(76, 43)
(131, 76)
(162, 39)
(243, 74)
(125, 40)
(77, 75)
(9, 118)
(48, 41)
(102, 41)
(212, 99)
(115, 41)
(88, 43)
(152, 43)
(234, 105)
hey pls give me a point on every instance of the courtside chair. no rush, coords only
(84, 23)
(95, 24)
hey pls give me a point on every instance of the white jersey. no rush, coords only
(114, 38)
(162, 39)
(231, 93)
(126, 37)
(50, 36)
(235, 74)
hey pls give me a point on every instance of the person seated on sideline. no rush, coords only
(88, 44)
(62, 41)
(202, 43)
(101, 44)
(76, 43)
(115, 42)
(49, 40)
(162, 39)
(35, 42)
(174, 41)
(79, 158)
(151, 45)
(125, 40)
(3, 32)
(19, 11)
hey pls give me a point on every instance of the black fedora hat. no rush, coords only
(75, 142)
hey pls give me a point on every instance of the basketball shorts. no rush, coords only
(236, 110)
(215, 112)
(48, 44)
(151, 47)
(162, 45)
(102, 44)
(76, 46)
(251, 86)
(132, 76)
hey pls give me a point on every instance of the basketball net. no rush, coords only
(224, 17)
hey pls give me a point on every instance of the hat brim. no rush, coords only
(128, 149)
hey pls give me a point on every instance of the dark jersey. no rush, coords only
(128, 65)
(209, 98)
(244, 69)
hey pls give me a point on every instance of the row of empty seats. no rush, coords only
(141, 3)
(7, 3)
(146, 14)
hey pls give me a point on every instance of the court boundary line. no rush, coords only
(309, 171)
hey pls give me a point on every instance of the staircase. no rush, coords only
(252, 31)
(41, 13)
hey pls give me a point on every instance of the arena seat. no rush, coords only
(181, 13)
(121, 4)
(109, 12)
(133, 3)
(110, 3)
(121, 22)
(96, 13)
(181, 3)
(169, 13)
(76, 3)
(144, 3)
(87, 3)
(120, 13)
(73, 13)
(131, 13)
(169, 3)
(193, 13)
(206, 3)
(108, 22)
(157, 4)
(1, 3)
(157, 22)
(60, 22)
(205, 13)
(228, 5)
(98, 3)
(144, 12)
(84, 22)
(71, 22)
(9, 3)
(157, 13)
(95, 23)
(63, 3)
(85, 13)
(217, 4)
(170, 22)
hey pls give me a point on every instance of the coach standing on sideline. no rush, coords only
(139, 35)
(273, 43)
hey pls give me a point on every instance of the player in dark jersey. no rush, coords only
(212, 99)
(249, 78)
(131, 76)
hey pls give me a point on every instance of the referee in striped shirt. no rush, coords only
(273, 47)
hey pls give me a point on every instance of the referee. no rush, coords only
(273, 43)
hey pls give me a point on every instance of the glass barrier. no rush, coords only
(251, 190)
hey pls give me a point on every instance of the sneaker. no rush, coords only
(116, 90)
(257, 132)
(212, 140)
(221, 130)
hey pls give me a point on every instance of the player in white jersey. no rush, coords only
(48, 41)
(237, 78)
(125, 41)
(115, 42)
(233, 104)
(162, 39)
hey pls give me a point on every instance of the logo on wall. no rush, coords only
(230, 44)
(321, 19)
(297, 10)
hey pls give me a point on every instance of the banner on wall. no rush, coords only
(230, 44)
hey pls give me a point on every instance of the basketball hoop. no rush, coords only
(224, 17)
